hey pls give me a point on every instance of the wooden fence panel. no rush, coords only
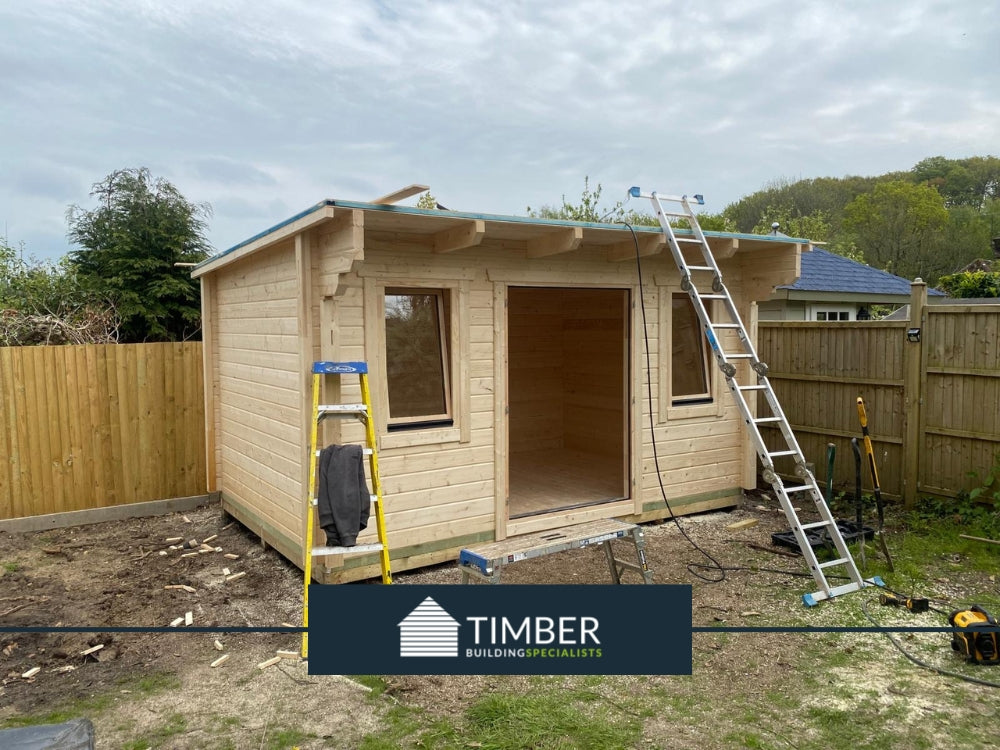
(97, 425)
(961, 388)
(949, 405)
(818, 370)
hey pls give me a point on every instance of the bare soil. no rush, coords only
(115, 574)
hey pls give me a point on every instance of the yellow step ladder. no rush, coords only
(363, 412)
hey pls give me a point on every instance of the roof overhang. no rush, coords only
(453, 231)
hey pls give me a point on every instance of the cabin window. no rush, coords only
(690, 379)
(418, 367)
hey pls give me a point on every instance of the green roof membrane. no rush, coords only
(525, 220)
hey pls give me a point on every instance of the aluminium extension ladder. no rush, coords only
(708, 271)
(363, 412)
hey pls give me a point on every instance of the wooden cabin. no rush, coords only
(508, 363)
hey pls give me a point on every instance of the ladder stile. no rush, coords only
(361, 411)
(727, 361)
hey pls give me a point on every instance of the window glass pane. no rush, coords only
(821, 316)
(689, 377)
(844, 316)
(415, 354)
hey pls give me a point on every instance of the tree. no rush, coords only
(43, 302)
(128, 247)
(897, 226)
(427, 201)
(590, 209)
(971, 284)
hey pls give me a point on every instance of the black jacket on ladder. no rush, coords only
(344, 500)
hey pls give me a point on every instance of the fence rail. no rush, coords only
(933, 404)
(98, 425)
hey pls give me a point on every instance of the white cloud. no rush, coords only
(262, 108)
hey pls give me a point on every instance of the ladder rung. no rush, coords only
(713, 296)
(831, 563)
(737, 356)
(799, 488)
(762, 420)
(342, 408)
(700, 268)
(689, 240)
(364, 452)
(784, 453)
(371, 499)
(815, 525)
(318, 551)
(724, 325)
(751, 387)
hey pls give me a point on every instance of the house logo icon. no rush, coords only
(428, 631)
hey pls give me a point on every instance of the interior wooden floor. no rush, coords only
(549, 480)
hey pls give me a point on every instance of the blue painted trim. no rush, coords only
(470, 558)
(809, 601)
(408, 210)
(339, 368)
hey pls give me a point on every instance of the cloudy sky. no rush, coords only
(264, 108)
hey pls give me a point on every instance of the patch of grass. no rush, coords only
(11, 567)
(139, 687)
(400, 723)
(377, 684)
(548, 719)
(153, 684)
(283, 738)
(173, 725)
(72, 710)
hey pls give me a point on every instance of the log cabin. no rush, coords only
(521, 370)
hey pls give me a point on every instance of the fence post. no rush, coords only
(912, 397)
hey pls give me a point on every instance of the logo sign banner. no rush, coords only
(498, 629)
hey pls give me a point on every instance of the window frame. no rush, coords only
(446, 418)
(708, 404)
(457, 291)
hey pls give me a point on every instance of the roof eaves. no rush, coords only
(201, 268)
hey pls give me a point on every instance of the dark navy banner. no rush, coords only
(359, 629)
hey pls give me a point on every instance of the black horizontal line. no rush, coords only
(708, 629)
(183, 629)
(836, 629)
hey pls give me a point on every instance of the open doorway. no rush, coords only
(568, 392)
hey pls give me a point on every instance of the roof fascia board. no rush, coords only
(299, 223)
(325, 210)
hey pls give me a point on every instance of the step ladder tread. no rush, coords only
(364, 452)
(359, 548)
(833, 563)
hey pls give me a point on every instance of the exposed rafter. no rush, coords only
(649, 244)
(554, 243)
(468, 234)
(723, 247)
